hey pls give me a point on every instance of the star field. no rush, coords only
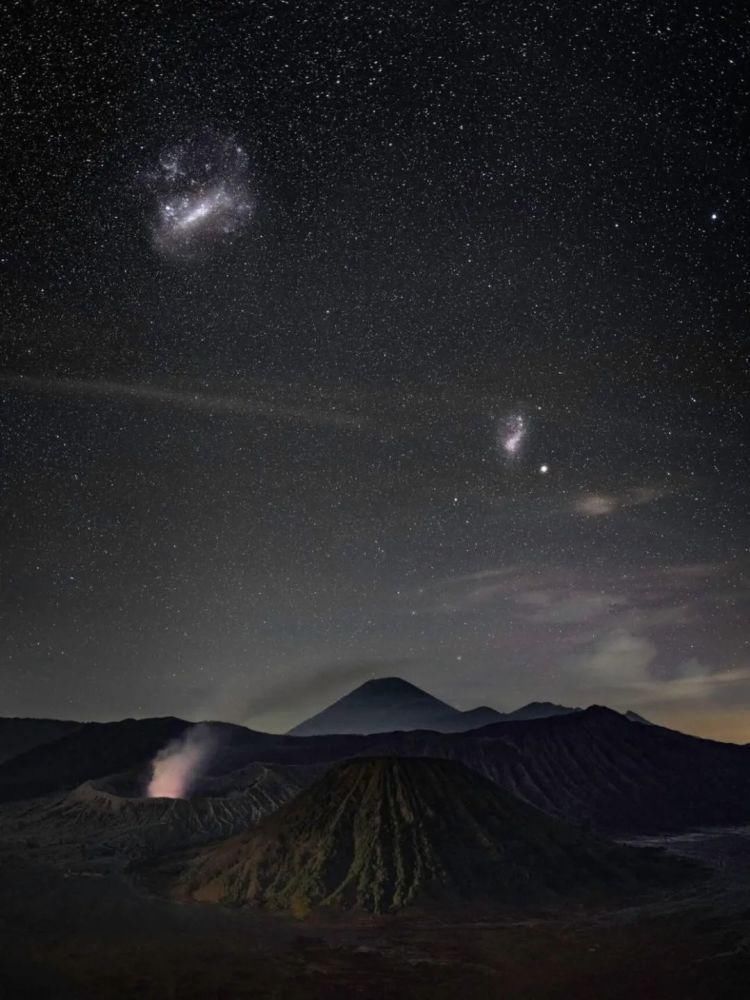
(343, 339)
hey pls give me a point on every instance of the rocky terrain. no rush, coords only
(108, 824)
(594, 766)
(379, 834)
(412, 863)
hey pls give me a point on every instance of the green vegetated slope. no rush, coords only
(379, 834)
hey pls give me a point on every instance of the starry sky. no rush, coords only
(342, 339)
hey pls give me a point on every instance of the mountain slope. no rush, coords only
(382, 833)
(635, 717)
(106, 819)
(97, 749)
(592, 766)
(598, 767)
(19, 735)
(388, 704)
(91, 751)
(382, 705)
(538, 710)
(473, 718)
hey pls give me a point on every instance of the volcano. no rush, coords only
(380, 834)
(109, 818)
(386, 704)
(381, 705)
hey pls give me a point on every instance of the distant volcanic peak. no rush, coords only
(547, 706)
(390, 685)
(381, 833)
(568, 716)
(601, 713)
(394, 689)
(539, 710)
(635, 717)
(482, 711)
(390, 704)
(384, 704)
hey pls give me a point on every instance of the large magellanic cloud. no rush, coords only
(202, 192)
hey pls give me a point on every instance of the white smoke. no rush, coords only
(177, 767)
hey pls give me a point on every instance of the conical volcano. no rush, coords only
(378, 834)
(382, 705)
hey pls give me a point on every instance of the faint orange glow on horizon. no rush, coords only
(729, 726)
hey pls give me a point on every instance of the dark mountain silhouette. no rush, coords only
(382, 705)
(635, 717)
(472, 718)
(389, 704)
(537, 710)
(592, 766)
(382, 833)
(41, 756)
(98, 749)
(597, 767)
(461, 722)
(19, 735)
(92, 750)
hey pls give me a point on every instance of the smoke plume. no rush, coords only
(177, 767)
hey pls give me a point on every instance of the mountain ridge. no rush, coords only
(382, 833)
(388, 704)
(21, 733)
(593, 766)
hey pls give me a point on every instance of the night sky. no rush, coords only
(350, 339)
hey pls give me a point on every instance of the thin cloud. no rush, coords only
(604, 504)
(697, 684)
(196, 401)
